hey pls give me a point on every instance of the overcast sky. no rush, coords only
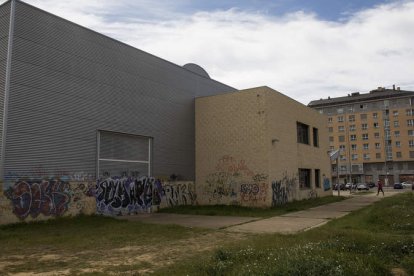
(307, 49)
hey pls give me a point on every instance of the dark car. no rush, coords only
(398, 186)
(341, 186)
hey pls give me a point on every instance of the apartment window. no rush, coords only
(363, 116)
(365, 136)
(354, 156)
(397, 133)
(351, 109)
(331, 148)
(411, 154)
(377, 145)
(410, 132)
(341, 138)
(315, 137)
(366, 156)
(317, 178)
(376, 135)
(343, 168)
(330, 129)
(340, 110)
(410, 122)
(395, 113)
(302, 133)
(353, 137)
(364, 126)
(375, 115)
(353, 147)
(351, 118)
(366, 146)
(398, 154)
(398, 144)
(376, 125)
(387, 123)
(331, 139)
(363, 106)
(341, 128)
(378, 156)
(342, 147)
(342, 157)
(410, 112)
(396, 124)
(340, 119)
(304, 178)
(411, 143)
(352, 127)
(330, 120)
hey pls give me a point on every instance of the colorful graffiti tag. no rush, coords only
(50, 198)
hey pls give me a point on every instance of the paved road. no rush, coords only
(286, 224)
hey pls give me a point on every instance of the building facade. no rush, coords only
(258, 147)
(375, 134)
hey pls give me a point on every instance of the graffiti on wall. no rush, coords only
(326, 184)
(179, 194)
(282, 190)
(233, 180)
(312, 194)
(50, 198)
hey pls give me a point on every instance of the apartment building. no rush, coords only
(374, 132)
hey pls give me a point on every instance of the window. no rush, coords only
(378, 156)
(398, 154)
(317, 178)
(376, 125)
(303, 133)
(366, 156)
(331, 139)
(411, 154)
(377, 145)
(331, 148)
(341, 128)
(342, 157)
(353, 147)
(395, 113)
(353, 137)
(397, 133)
(364, 126)
(410, 122)
(354, 156)
(398, 144)
(366, 146)
(352, 127)
(365, 136)
(396, 124)
(376, 135)
(351, 118)
(330, 129)
(342, 147)
(351, 109)
(387, 123)
(410, 132)
(304, 178)
(340, 119)
(343, 168)
(363, 116)
(363, 106)
(341, 138)
(330, 120)
(410, 112)
(411, 143)
(315, 137)
(340, 110)
(375, 115)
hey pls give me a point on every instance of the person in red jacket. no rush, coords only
(379, 184)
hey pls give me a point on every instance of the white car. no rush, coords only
(407, 185)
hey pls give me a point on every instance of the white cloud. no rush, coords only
(298, 54)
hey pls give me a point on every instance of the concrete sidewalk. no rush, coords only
(286, 224)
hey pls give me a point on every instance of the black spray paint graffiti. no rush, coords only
(125, 195)
(282, 190)
(179, 194)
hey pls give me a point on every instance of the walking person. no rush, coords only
(379, 184)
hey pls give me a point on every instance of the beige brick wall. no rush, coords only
(236, 160)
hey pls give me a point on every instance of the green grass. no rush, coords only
(236, 210)
(371, 241)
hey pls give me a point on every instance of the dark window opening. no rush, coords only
(303, 133)
(304, 178)
(317, 178)
(315, 137)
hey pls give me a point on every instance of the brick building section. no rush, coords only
(247, 150)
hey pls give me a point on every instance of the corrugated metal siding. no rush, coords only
(68, 82)
(4, 39)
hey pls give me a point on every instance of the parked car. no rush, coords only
(362, 186)
(341, 186)
(371, 184)
(398, 186)
(407, 185)
(348, 186)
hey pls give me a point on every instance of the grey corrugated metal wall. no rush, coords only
(67, 82)
(4, 39)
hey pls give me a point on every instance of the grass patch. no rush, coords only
(372, 241)
(242, 211)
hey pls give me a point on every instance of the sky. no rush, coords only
(306, 49)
